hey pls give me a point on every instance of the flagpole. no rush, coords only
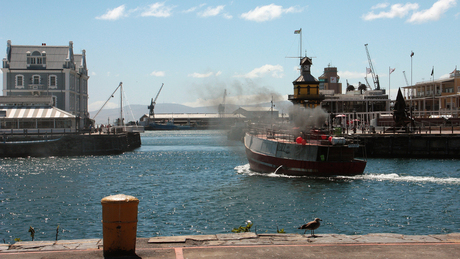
(411, 55)
(434, 89)
(411, 85)
(389, 79)
(300, 50)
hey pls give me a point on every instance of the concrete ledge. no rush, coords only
(4, 247)
(79, 244)
(181, 239)
(236, 236)
(248, 239)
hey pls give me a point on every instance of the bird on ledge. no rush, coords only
(312, 225)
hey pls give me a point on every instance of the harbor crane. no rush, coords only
(407, 83)
(375, 77)
(151, 107)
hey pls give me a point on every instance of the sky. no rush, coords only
(199, 49)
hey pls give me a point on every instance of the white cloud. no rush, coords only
(380, 6)
(211, 11)
(434, 13)
(275, 71)
(93, 73)
(113, 14)
(351, 75)
(227, 16)
(268, 12)
(396, 10)
(158, 10)
(193, 9)
(157, 73)
(198, 75)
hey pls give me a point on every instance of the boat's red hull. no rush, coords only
(339, 160)
(266, 164)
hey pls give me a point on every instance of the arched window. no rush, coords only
(36, 58)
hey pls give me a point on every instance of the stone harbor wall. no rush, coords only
(72, 145)
(410, 145)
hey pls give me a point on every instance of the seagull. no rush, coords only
(312, 225)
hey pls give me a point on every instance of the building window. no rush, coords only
(35, 79)
(52, 82)
(54, 101)
(36, 58)
(19, 81)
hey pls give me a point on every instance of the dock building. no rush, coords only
(306, 87)
(330, 80)
(355, 105)
(53, 71)
(436, 98)
(33, 114)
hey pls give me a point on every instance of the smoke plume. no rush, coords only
(305, 118)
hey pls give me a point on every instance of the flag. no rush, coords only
(368, 70)
(411, 54)
(392, 70)
(297, 31)
(432, 71)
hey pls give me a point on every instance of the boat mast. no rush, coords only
(121, 105)
(111, 96)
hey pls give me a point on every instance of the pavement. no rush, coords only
(251, 245)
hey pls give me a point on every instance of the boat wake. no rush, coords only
(396, 177)
(244, 169)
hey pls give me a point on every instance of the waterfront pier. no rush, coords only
(252, 245)
(427, 142)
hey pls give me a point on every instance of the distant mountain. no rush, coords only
(136, 111)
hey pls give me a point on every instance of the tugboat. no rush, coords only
(308, 155)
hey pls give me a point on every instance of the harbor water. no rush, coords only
(198, 182)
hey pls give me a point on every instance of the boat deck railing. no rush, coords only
(285, 135)
(38, 131)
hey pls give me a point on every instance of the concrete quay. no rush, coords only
(251, 245)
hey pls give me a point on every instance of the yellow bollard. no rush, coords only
(119, 225)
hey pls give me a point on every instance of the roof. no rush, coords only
(423, 83)
(306, 78)
(55, 56)
(26, 100)
(36, 113)
(256, 109)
